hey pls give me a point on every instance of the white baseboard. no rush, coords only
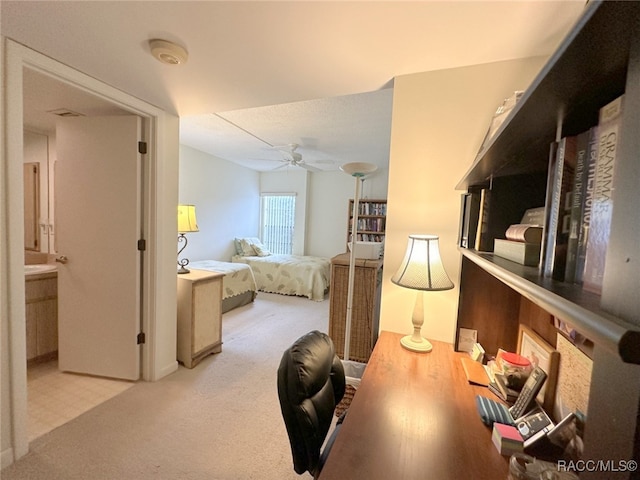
(172, 367)
(6, 457)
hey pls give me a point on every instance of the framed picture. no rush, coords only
(540, 354)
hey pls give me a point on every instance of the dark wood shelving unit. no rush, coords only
(598, 61)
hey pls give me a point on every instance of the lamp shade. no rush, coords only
(187, 219)
(422, 267)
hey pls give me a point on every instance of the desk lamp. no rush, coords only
(421, 270)
(186, 224)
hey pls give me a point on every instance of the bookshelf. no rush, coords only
(372, 218)
(598, 61)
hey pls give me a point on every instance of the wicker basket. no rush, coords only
(365, 310)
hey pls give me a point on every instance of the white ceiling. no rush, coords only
(313, 73)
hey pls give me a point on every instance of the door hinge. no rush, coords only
(142, 245)
(142, 148)
(141, 338)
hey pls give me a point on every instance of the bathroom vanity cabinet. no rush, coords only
(41, 295)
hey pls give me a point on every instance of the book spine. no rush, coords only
(587, 200)
(564, 213)
(602, 206)
(558, 227)
(577, 205)
(553, 157)
(524, 233)
(482, 241)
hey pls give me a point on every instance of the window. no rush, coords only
(278, 219)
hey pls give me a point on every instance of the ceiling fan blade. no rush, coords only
(309, 167)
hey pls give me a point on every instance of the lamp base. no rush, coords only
(182, 270)
(424, 346)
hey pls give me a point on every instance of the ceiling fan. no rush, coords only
(291, 158)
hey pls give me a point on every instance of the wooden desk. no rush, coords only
(414, 416)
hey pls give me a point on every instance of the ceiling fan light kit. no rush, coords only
(167, 52)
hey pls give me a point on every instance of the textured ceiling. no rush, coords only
(253, 62)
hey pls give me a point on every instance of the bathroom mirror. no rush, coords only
(31, 206)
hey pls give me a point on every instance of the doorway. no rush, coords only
(76, 149)
(158, 294)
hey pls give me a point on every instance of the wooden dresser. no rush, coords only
(365, 315)
(199, 316)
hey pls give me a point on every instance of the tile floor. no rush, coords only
(55, 398)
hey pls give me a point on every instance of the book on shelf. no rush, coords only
(470, 210)
(587, 201)
(524, 253)
(609, 126)
(483, 240)
(577, 203)
(533, 216)
(522, 232)
(559, 209)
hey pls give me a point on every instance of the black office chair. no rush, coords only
(311, 383)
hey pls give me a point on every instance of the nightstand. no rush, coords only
(199, 316)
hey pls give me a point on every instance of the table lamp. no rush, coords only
(421, 270)
(186, 224)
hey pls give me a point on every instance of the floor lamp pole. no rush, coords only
(357, 170)
(352, 268)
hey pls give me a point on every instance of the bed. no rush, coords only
(299, 275)
(238, 285)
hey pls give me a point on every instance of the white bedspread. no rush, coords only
(290, 274)
(238, 278)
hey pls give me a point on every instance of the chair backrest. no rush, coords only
(311, 383)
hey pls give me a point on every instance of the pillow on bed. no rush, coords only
(261, 250)
(246, 248)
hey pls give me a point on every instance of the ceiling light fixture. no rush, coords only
(167, 52)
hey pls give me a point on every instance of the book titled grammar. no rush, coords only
(609, 126)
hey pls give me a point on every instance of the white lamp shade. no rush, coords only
(422, 267)
(187, 219)
(358, 169)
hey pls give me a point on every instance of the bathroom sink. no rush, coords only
(39, 268)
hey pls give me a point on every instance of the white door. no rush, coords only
(98, 217)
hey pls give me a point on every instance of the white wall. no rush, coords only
(227, 200)
(439, 121)
(328, 211)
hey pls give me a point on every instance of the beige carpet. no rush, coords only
(218, 421)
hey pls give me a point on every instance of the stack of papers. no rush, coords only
(507, 439)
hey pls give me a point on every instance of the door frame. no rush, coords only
(161, 197)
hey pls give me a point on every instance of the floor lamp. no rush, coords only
(357, 170)
(421, 270)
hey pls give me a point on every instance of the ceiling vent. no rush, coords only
(65, 112)
(167, 52)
